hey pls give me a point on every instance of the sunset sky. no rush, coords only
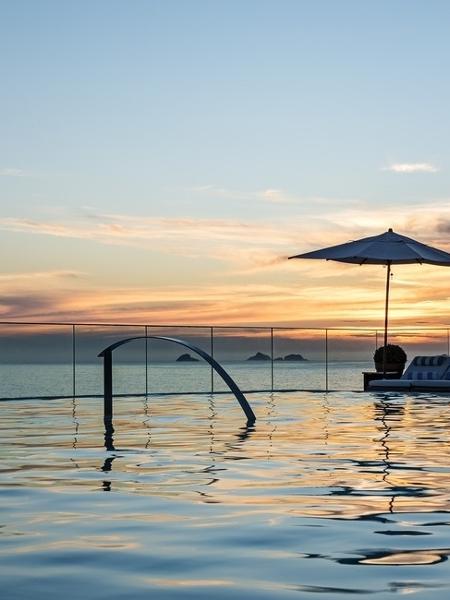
(160, 159)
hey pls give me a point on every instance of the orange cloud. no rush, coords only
(257, 285)
(328, 302)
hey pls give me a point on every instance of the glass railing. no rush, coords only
(61, 359)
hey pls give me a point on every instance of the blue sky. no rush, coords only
(190, 123)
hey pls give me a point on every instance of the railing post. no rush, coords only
(146, 360)
(271, 358)
(108, 386)
(109, 442)
(211, 346)
(73, 362)
(448, 343)
(326, 360)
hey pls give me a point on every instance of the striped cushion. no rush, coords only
(429, 361)
(428, 368)
(424, 375)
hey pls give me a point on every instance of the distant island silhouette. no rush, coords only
(186, 358)
(259, 356)
(295, 358)
(288, 358)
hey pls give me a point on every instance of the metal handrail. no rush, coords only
(106, 354)
(370, 328)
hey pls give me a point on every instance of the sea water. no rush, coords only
(33, 380)
(341, 495)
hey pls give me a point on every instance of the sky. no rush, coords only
(161, 159)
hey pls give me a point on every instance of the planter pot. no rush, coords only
(390, 367)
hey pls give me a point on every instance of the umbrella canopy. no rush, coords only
(384, 249)
(388, 248)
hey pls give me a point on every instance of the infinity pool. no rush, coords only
(339, 495)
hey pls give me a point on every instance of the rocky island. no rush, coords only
(186, 358)
(287, 358)
(295, 358)
(259, 356)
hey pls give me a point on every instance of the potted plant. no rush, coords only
(395, 359)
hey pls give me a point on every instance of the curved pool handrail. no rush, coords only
(106, 354)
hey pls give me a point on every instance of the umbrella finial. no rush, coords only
(390, 230)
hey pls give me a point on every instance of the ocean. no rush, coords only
(34, 380)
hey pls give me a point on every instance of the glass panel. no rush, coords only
(128, 360)
(245, 353)
(290, 347)
(173, 368)
(35, 360)
(350, 354)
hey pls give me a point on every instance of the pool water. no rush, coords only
(339, 495)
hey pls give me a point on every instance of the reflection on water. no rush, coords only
(334, 494)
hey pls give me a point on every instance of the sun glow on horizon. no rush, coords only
(335, 296)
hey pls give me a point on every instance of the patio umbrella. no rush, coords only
(388, 249)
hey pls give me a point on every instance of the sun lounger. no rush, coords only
(423, 373)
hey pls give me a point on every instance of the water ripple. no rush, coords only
(180, 499)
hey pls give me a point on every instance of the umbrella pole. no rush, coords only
(388, 279)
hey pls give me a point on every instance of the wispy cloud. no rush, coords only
(26, 277)
(412, 168)
(243, 247)
(269, 195)
(277, 196)
(300, 292)
(282, 235)
(144, 231)
(240, 245)
(224, 304)
(221, 192)
(426, 221)
(12, 172)
(317, 302)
